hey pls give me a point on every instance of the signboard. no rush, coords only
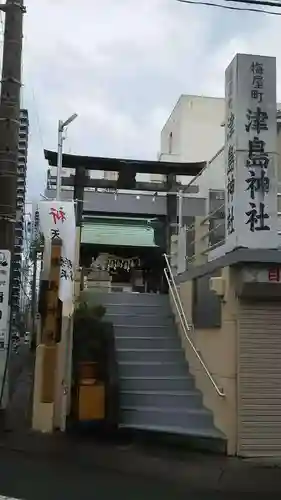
(57, 220)
(274, 275)
(250, 153)
(5, 267)
(262, 275)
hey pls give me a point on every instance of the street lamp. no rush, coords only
(61, 127)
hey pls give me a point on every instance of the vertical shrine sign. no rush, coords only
(5, 269)
(57, 220)
(251, 153)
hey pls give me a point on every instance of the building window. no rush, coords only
(170, 143)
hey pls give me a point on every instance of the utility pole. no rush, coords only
(9, 119)
(9, 135)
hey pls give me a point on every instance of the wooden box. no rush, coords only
(91, 401)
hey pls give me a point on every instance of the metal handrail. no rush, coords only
(208, 217)
(185, 326)
(213, 247)
(211, 231)
(207, 234)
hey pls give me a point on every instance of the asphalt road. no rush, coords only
(44, 480)
(32, 478)
(16, 364)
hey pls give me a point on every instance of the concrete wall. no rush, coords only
(195, 124)
(217, 347)
(171, 142)
(202, 134)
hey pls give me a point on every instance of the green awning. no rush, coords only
(118, 232)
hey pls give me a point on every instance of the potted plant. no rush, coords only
(94, 355)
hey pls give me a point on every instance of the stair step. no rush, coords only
(171, 417)
(158, 310)
(157, 391)
(178, 399)
(151, 355)
(144, 331)
(140, 319)
(209, 432)
(128, 298)
(147, 343)
(172, 383)
(153, 369)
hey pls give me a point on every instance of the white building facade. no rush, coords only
(20, 225)
(194, 131)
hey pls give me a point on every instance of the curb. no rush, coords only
(200, 473)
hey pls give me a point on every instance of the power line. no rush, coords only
(264, 3)
(230, 7)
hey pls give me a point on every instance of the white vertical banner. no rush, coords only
(57, 220)
(251, 153)
(5, 270)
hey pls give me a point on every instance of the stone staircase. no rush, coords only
(157, 392)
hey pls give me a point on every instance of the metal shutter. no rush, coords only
(259, 379)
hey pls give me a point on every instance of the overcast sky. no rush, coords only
(122, 65)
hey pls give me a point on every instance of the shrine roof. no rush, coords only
(117, 164)
(118, 232)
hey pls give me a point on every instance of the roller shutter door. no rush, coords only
(259, 379)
